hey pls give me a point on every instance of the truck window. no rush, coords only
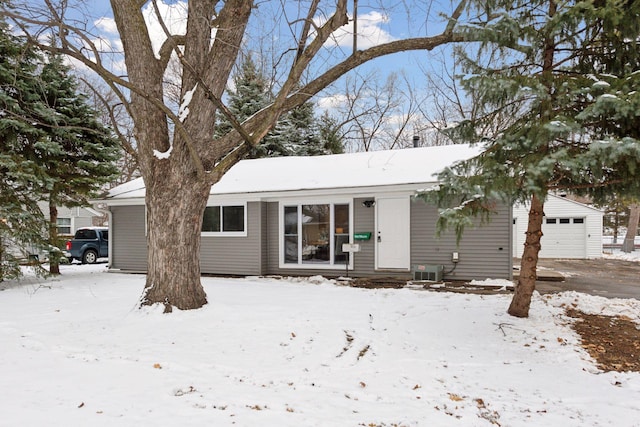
(86, 234)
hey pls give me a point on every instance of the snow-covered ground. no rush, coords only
(618, 254)
(75, 351)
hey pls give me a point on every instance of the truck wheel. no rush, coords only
(89, 257)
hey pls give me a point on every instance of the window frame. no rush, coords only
(298, 203)
(69, 226)
(223, 233)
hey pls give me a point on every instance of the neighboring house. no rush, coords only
(70, 219)
(571, 229)
(291, 215)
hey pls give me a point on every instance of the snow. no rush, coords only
(183, 111)
(618, 254)
(600, 84)
(298, 352)
(163, 154)
(351, 170)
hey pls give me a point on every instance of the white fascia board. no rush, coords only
(354, 192)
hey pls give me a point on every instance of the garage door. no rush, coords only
(564, 238)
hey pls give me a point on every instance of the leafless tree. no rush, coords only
(374, 115)
(628, 245)
(178, 156)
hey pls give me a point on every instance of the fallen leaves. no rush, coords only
(455, 397)
(612, 341)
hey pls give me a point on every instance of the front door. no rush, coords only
(392, 233)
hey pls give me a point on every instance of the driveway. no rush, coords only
(603, 277)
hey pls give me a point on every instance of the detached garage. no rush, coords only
(571, 229)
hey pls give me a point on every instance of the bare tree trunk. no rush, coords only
(528, 264)
(628, 244)
(54, 260)
(174, 224)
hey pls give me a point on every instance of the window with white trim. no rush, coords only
(63, 225)
(313, 234)
(228, 220)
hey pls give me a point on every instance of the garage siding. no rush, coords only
(127, 235)
(562, 240)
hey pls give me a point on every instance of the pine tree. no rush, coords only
(77, 151)
(532, 57)
(23, 177)
(296, 134)
(251, 94)
(330, 137)
(53, 149)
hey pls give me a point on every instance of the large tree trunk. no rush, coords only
(628, 245)
(54, 260)
(174, 223)
(528, 264)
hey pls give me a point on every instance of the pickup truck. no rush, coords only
(89, 244)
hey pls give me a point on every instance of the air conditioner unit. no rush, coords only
(429, 273)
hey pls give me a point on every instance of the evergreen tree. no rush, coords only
(53, 149)
(251, 94)
(77, 151)
(296, 134)
(532, 57)
(23, 177)
(330, 137)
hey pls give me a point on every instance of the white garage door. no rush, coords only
(564, 238)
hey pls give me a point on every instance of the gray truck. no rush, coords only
(89, 244)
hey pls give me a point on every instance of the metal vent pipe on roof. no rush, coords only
(416, 141)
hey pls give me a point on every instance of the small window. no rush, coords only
(578, 220)
(551, 220)
(224, 219)
(565, 220)
(63, 225)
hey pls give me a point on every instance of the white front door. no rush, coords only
(392, 233)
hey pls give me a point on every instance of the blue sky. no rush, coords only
(272, 30)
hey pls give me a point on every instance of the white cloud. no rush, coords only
(174, 16)
(370, 31)
(106, 24)
(332, 101)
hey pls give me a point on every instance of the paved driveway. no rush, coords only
(604, 277)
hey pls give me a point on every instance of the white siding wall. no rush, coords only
(559, 207)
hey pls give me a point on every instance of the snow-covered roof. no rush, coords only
(350, 170)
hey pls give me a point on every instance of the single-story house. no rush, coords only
(570, 229)
(292, 215)
(70, 219)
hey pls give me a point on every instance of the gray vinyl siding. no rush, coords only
(485, 251)
(79, 222)
(234, 255)
(127, 237)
